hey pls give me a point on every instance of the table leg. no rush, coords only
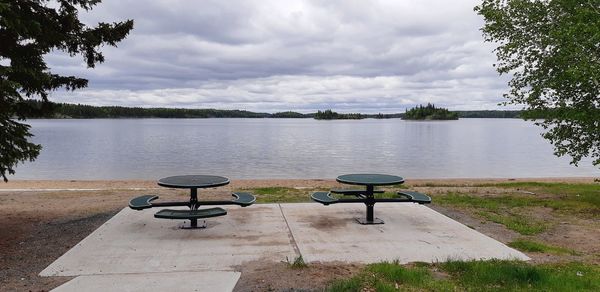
(194, 206)
(370, 202)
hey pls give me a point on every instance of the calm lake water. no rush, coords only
(292, 148)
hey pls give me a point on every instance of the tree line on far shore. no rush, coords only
(81, 111)
(429, 112)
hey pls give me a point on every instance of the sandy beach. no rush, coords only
(151, 184)
(43, 219)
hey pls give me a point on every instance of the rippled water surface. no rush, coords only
(292, 148)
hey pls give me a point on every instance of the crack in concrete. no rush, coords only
(290, 234)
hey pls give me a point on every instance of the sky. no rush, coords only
(272, 55)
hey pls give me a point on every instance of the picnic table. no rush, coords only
(367, 196)
(192, 182)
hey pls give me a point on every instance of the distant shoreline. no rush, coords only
(82, 111)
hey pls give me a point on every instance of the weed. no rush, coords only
(492, 275)
(298, 263)
(534, 246)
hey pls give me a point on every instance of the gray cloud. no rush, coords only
(378, 56)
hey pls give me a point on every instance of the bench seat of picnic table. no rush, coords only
(326, 198)
(415, 197)
(142, 202)
(323, 198)
(243, 199)
(353, 192)
(190, 214)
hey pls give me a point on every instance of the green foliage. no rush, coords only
(563, 197)
(493, 275)
(81, 111)
(489, 114)
(51, 110)
(514, 210)
(501, 275)
(288, 115)
(534, 246)
(551, 50)
(429, 112)
(14, 146)
(298, 263)
(28, 31)
(331, 115)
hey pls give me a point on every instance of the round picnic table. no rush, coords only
(370, 180)
(193, 182)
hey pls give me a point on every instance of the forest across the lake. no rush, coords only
(82, 111)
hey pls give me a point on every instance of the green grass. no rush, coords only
(499, 275)
(514, 210)
(391, 277)
(565, 197)
(534, 246)
(298, 263)
(488, 203)
(503, 210)
(494, 275)
(515, 222)
(281, 194)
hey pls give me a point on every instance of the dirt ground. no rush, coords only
(41, 220)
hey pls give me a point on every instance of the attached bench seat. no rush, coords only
(353, 192)
(142, 202)
(326, 198)
(415, 197)
(145, 201)
(323, 198)
(190, 214)
(243, 199)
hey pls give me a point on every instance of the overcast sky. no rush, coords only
(349, 56)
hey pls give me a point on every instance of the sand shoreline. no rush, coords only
(94, 185)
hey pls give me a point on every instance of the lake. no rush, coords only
(293, 148)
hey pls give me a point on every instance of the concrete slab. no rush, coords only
(411, 233)
(178, 281)
(136, 242)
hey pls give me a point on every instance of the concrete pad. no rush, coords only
(136, 242)
(178, 281)
(411, 233)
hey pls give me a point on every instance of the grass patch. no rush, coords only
(487, 203)
(565, 197)
(519, 276)
(494, 275)
(280, 194)
(515, 222)
(392, 277)
(352, 284)
(534, 246)
(503, 210)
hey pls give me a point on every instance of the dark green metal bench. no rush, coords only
(142, 202)
(145, 201)
(323, 198)
(353, 192)
(415, 197)
(190, 214)
(243, 199)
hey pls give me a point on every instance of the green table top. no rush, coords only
(193, 181)
(372, 179)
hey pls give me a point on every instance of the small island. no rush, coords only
(429, 112)
(331, 115)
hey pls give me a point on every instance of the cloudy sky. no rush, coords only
(346, 55)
